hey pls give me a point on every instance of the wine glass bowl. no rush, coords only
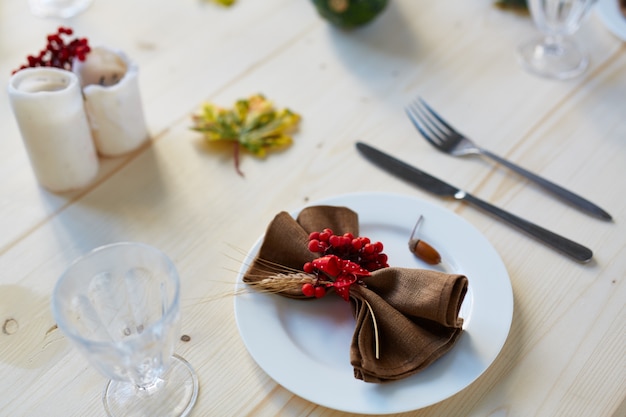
(555, 54)
(120, 306)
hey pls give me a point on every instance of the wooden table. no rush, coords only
(566, 351)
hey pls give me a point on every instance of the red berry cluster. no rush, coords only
(57, 53)
(359, 250)
(310, 290)
(344, 259)
(332, 271)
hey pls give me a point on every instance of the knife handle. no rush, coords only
(560, 243)
(557, 190)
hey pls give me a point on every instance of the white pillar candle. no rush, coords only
(48, 106)
(113, 102)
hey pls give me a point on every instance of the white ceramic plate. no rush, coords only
(304, 345)
(612, 17)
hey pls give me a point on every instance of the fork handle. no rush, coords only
(559, 191)
(560, 243)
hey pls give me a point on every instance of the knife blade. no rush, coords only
(426, 181)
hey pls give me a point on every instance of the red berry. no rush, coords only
(308, 290)
(314, 245)
(320, 292)
(308, 268)
(335, 241)
(369, 248)
(314, 236)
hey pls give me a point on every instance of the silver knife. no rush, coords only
(437, 186)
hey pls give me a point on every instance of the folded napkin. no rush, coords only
(405, 318)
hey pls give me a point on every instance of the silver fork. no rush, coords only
(445, 138)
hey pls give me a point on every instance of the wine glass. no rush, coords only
(63, 9)
(555, 55)
(120, 306)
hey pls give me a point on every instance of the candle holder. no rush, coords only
(73, 102)
(48, 106)
(112, 99)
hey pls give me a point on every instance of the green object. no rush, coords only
(349, 14)
(512, 4)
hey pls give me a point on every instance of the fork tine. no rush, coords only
(414, 117)
(431, 122)
(429, 136)
(436, 116)
(421, 126)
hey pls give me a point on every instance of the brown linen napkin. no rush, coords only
(416, 313)
(405, 318)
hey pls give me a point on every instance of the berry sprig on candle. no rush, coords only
(344, 260)
(59, 52)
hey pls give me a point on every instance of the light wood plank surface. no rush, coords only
(566, 351)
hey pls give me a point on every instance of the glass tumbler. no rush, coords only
(120, 306)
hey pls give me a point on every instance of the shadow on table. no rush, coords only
(125, 200)
(377, 49)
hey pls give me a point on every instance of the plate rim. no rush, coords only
(607, 10)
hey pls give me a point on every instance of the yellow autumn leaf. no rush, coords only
(252, 123)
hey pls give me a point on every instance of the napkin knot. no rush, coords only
(405, 318)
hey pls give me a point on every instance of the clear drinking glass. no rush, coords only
(120, 306)
(555, 54)
(63, 9)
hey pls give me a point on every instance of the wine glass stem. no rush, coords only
(553, 45)
(150, 388)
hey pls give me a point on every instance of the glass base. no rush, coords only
(173, 396)
(560, 60)
(63, 9)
